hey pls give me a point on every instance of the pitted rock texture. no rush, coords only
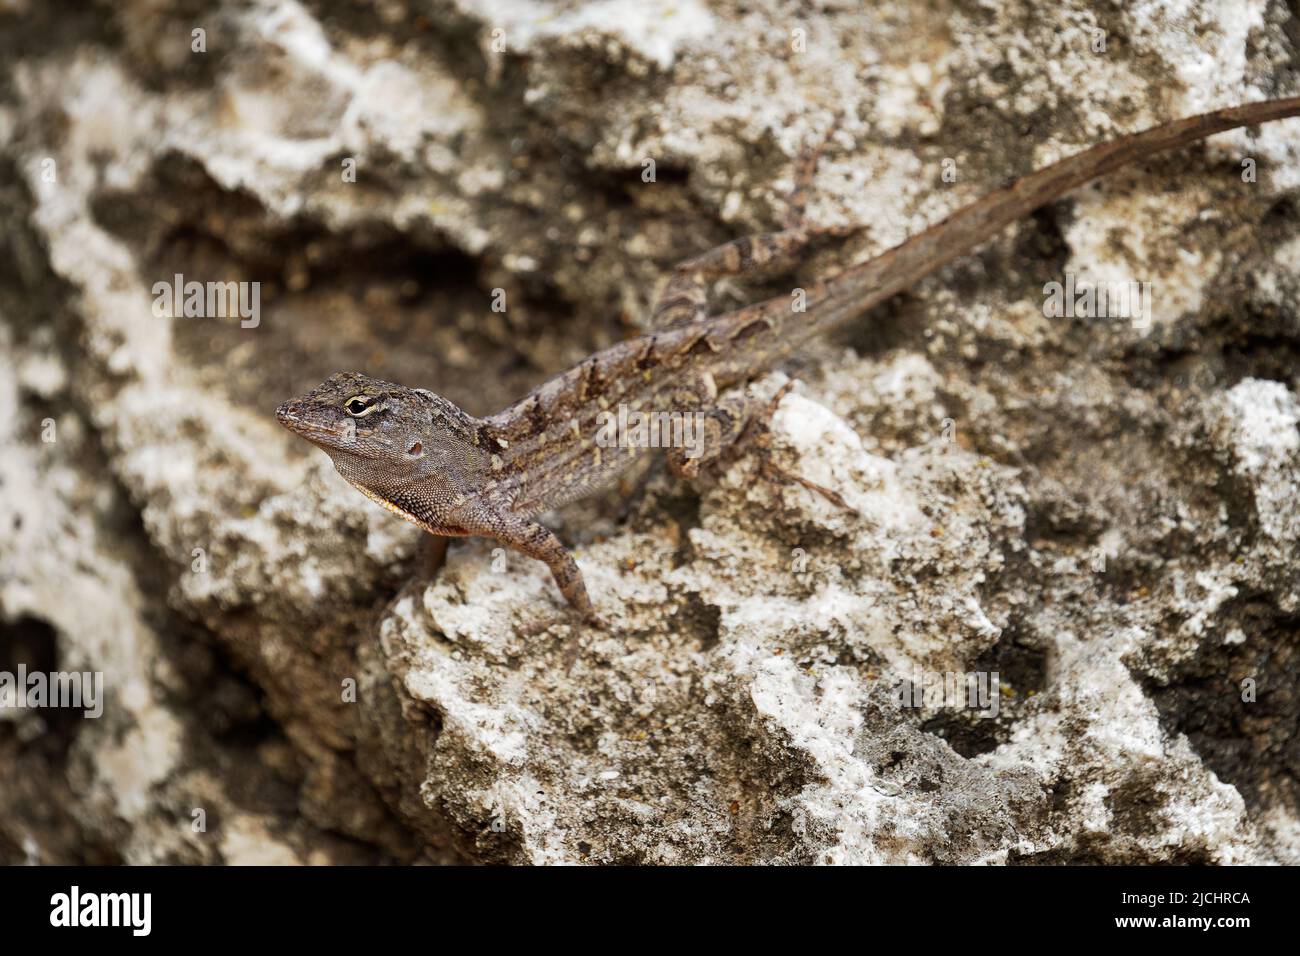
(1102, 511)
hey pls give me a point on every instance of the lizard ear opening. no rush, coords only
(416, 450)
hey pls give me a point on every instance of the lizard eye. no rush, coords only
(357, 405)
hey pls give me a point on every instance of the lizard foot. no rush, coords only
(745, 422)
(762, 442)
(772, 470)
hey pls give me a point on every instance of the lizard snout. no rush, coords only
(293, 415)
(307, 420)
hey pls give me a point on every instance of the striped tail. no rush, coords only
(849, 294)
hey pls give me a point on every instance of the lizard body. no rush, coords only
(453, 474)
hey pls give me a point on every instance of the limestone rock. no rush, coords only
(1101, 512)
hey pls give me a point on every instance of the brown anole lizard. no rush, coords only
(453, 474)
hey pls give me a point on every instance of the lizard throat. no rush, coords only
(432, 524)
(386, 504)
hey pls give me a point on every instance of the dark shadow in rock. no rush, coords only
(1022, 675)
(1252, 744)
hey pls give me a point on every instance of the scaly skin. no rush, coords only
(452, 474)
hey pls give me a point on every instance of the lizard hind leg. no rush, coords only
(765, 255)
(684, 299)
(716, 429)
(741, 419)
(722, 422)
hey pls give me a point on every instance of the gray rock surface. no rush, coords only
(1101, 511)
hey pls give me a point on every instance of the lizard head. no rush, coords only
(384, 437)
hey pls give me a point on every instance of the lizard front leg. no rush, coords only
(535, 540)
